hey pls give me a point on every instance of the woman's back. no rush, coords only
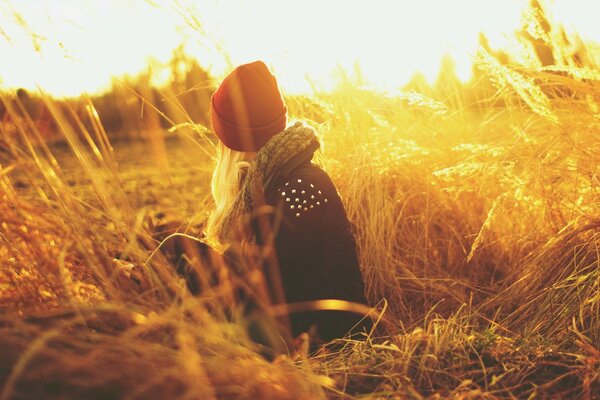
(315, 250)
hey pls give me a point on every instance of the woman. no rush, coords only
(264, 168)
(270, 196)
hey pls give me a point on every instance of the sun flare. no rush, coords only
(79, 46)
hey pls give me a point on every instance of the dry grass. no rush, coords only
(477, 224)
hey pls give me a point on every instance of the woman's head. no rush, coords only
(248, 109)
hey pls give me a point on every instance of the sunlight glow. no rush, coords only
(83, 43)
(389, 40)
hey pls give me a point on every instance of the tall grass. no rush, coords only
(477, 224)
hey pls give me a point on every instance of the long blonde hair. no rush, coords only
(227, 178)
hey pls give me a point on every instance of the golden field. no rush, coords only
(476, 209)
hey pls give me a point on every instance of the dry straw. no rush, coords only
(477, 224)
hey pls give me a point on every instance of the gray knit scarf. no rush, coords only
(273, 162)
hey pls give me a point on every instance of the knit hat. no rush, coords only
(247, 109)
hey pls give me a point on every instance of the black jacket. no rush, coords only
(315, 248)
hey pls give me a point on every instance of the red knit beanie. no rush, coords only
(248, 109)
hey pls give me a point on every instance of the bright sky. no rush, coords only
(83, 43)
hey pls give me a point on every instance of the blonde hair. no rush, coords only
(227, 178)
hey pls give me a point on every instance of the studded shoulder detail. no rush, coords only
(301, 197)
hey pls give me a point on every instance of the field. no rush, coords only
(476, 209)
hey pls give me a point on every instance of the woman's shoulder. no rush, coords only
(306, 194)
(306, 182)
(311, 173)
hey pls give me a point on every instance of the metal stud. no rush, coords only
(305, 209)
(304, 191)
(312, 186)
(325, 200)
(283, 193)
(287, 183)
(293, 190)
(299, 180)
(311, 206)
(297, 214)
(312, 196)
(318, 191)
(287, 199)
(292, 206)
(318, 203)
(297, 200)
